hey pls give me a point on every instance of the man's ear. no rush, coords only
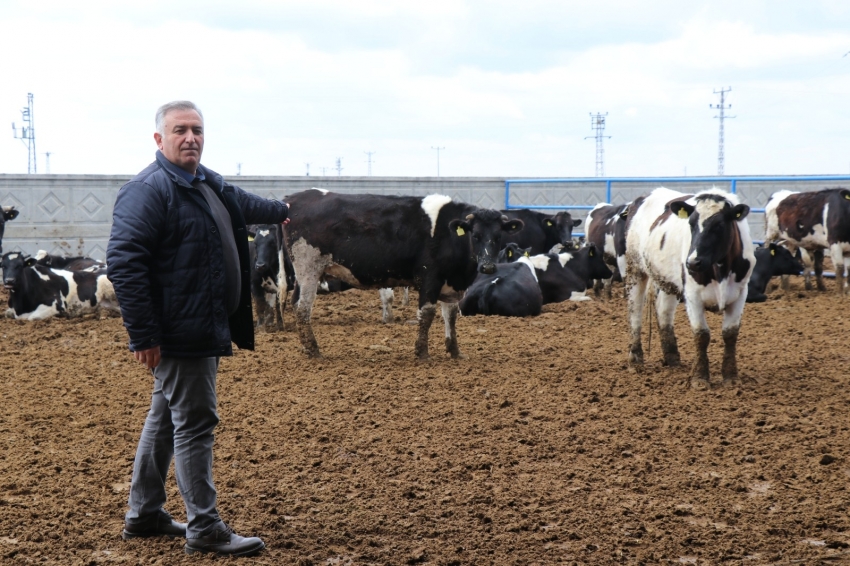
(157, 137)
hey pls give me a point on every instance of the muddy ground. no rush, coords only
(540, 448)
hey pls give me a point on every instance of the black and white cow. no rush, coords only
(76, 263)
(696, 247)
(512, 252)
(772, 260)
(37, 292)
(564, 276)
(541, 231)
(512, 290)
(265, 244)
(430, 243)
(8, 213)
(606, 227)
(815, 221)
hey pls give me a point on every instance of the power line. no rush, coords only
(28, 134)
(597, 122)
(722, 107)
(369, 160)
(438, 158)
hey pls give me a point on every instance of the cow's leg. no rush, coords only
(406, 297)
(598, 285)
(282, 290)
(836, 252)
(665, 308)
(387, 296)
(426, 317)
(636, 288)
(818, 258)
(731, 326)
(450, 312)
(702, 336)
(309, 265)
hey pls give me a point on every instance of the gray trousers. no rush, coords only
(179, 425)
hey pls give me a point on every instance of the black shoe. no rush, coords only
(160, 525)
(224, 542)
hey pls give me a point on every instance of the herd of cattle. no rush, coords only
(673, 246)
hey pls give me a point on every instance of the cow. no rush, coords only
(512, 252)
(606, 227)
(772, 260)
(265, 244)
(76, 263)
(430, 243)
(564, 276)
(8, 213)
(692, 247)
(815, 221)
(541, 231)
(37, 292)
(512, 290)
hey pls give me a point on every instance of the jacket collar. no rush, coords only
(185, 179)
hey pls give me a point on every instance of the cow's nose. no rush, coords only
(488, 268)
(260, 265)
(695, 264)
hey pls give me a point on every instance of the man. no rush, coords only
(178, 259)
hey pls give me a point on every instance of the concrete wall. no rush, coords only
(72, 214)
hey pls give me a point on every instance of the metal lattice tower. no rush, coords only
(28, 135)
(721, 157)
(338, 166)
(369, 161)
(597, 122)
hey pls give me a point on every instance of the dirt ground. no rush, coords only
(540, 448)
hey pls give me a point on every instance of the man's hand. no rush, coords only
(288, 207)
(149, 358)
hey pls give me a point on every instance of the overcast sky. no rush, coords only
(505, 87)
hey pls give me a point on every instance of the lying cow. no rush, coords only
(814, 221)
(6, 213)
(512, 252)
(772, 260)
(37, 292)
(564, 276)
(696, 247)
(512, 290)
(76, 263)
(606, 227)
(541, 231)
(374, 241)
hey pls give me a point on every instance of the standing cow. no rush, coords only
(692, 247)
(606, 228)
(265, 243)
(374, 241)
(815, 221)
(541, 231)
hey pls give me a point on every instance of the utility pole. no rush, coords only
(597, 122)
(238, 169)
(338, 166)
(308, 169)
(438, 158)
(47, 155)
(722, 107)
(28, 135)
(369, 160)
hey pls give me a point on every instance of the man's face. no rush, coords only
(183, 141)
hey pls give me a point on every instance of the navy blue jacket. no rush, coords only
(166, 262)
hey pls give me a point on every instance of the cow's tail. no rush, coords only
(486, 297)
(284, 264)
(650, 304)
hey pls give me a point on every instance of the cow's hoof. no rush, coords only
(672, 361)
(635, 358)
(423, 357)
(731, 382)
(458, 356)
(698, 384)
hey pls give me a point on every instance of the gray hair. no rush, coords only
(176, 105)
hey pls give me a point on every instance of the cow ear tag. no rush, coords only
(772, 252)
(250, 238)
(460, 231)
(738, 215)
(526, 254)
(548, 223)
(683, 213)
(510, 253)
(847, 196)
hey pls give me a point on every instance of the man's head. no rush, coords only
(180, 134)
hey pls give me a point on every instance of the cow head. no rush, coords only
(266, 250)
(714, 235)
(13, 264)
(598, 268)
(9, 213)
(783, 261)
(512, 252)
(559, 227)
(483, 229)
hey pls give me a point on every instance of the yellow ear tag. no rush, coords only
(847, 196)
(250, 238)
(526, 254)
(590, 253)
(738, 215)
(510, 253)
(683, 213)
(460, 231)
(772, 252)
(548, 223)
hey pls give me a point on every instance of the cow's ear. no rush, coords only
(526, 252)
(459, 227)
(591, 250)
(772, 249)
(512, 226)
(681, 209)
(29, 262)
(576, 222)
(844, 194)
(11, 214)
(739, 212)
(624, 214)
